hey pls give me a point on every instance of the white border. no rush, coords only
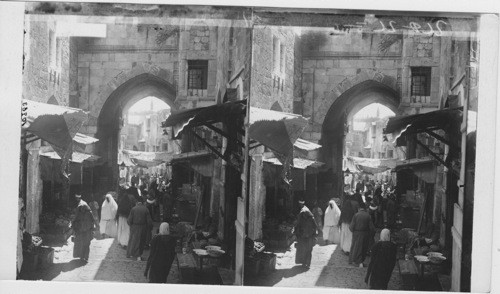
(486, 238)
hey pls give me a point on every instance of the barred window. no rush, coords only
(197, 74)
(420, 81)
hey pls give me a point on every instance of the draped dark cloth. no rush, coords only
(83, 226)
(306, 231)
(392, 211)
(160, 259)
(383, 260)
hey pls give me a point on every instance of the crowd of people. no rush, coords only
(128, 216)
(353, 226)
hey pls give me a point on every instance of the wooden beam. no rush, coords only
(442, 139)
(221, 132)
(433, 154)
(31, 141)
(213, 149)
(255, 146)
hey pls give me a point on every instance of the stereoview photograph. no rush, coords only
(248, 146)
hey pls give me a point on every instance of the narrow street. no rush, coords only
(107, 262)
(329, 268)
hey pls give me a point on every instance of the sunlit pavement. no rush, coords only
(107, 262)
(329, 268)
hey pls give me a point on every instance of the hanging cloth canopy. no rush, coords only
(55, 124)
(369, 165)
(144, 159)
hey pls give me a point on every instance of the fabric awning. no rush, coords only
(306, 145)
(369, 165)
(299, 163)
(76, 157)
(82, 141)
(276, 130)
(57, 125)
(448, 120)
(145, 159)
(198, 116)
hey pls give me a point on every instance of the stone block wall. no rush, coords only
(127, 51)
(333, 63)
(268, 85)
(36, 63)
(46, 65)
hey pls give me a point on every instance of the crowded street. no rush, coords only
(247, 147)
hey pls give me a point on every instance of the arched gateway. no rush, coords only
(109, 121)
(346, 99)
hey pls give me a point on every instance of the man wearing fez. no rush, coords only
(83, 226)
(306, 231)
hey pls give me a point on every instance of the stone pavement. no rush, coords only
(107, 262)
(329, 268)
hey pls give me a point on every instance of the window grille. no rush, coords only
(197, 74)
(420, 83)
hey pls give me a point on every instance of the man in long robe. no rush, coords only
(83, 226)
(108, 217)
(306, 231)
(362, 229)
(331, 230)
(139, 221)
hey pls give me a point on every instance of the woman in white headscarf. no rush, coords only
(331, 230)
(161, 256)
(382, 262)
(108, 226)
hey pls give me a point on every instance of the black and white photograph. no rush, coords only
(255, 146)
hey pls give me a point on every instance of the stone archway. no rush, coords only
(350, 100)
(109, 120)
(350, 83)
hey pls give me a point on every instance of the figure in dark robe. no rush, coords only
(161, 256)
(140, 222)
(382, 262)
(83, 227)
(378, 201)
(306, 231)
(358, 198)
(392, 211)
(134, 191)
(362, 229)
